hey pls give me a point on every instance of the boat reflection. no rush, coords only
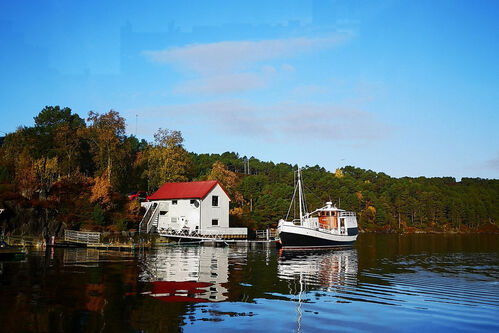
(327, 270)
(187, 274)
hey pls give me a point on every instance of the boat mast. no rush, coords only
(300, 195)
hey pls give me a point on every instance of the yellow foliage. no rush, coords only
(46, 169)
(371, 211)
(167, 161)
(101, 191)
(338, 173)
(25, 175)
(227, 178)
(237, 211)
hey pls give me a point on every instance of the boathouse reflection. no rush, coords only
(194, 274)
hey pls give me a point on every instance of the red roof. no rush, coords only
(186, 190)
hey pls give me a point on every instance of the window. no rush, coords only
(214, 222)
(214, 200)
(163, 212)
(193, 201)
(174, 220)
(174, 202)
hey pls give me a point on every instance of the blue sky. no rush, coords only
(409, 88)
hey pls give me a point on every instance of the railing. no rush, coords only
(81, 236)
(344, 214)
(266, 234)
(212, 234)
(147, 217)
(154, 216)
(261, 234)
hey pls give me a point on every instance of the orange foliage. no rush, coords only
(228, 179)
(101, 192)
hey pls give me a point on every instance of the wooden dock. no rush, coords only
(213, 241)
(117, 246)
(93, 240)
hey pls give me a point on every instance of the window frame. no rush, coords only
(213, 199)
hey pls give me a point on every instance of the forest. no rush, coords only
(79, 172)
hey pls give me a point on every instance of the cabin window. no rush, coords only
(214, 222)
(174, 202)
(214, 200)
(163, 212)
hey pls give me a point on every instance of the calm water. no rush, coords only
(386, 283)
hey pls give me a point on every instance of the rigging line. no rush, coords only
(292, 200)
(315, 195)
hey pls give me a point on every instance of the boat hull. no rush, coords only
(300, 237)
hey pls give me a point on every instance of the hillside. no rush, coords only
(66, 172)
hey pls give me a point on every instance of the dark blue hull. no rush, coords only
(303, 241)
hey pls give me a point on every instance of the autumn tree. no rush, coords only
(48, 150)
(106, 134)
(101, 192)
(167, 160)
(58, 134)
(228, 179)
(25, 176)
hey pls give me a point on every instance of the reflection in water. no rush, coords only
(387, 283)
(191, 274)
(325, 269)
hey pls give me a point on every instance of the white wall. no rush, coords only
(208, 212)
(187, 214)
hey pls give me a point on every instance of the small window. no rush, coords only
(214, 200)
(163, 212)
(214, 222)
(174, 202)
(333, 213)
(174, 220)
(193, 201)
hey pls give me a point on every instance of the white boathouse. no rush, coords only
(190, 208)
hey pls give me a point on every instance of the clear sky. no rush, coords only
(409, 88)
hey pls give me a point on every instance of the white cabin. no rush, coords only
(191, 207)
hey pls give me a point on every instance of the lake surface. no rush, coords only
(385, 283)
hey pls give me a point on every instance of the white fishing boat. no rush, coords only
(325, 227)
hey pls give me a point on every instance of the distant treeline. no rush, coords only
(84, 167)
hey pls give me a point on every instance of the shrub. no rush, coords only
(122, 224)
(98, 215)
